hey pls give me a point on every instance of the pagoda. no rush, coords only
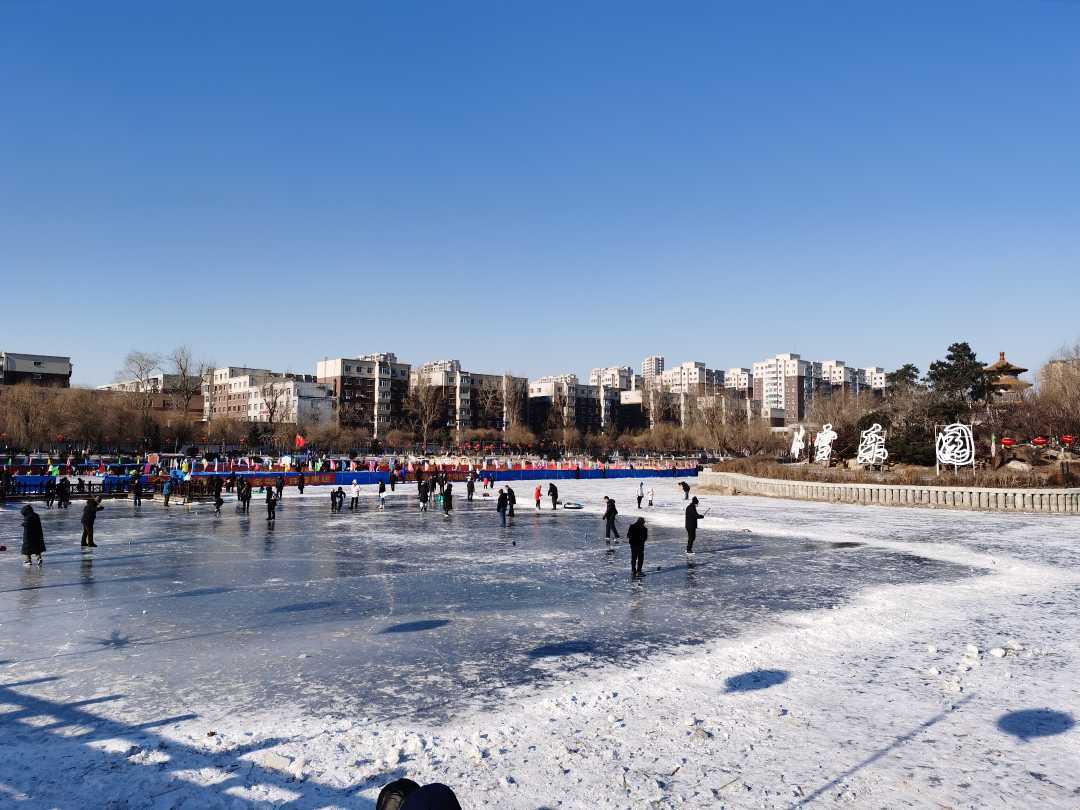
(1004, 379)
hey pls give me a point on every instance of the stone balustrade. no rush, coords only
(991, 499)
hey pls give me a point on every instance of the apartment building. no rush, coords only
(35, 369)
(165, 391)
(261, 395)
(621, 378)
(564, 400)
(874, 378)
(741, 381)
(370, 391)
(692, 379)
(475, 400)
(651, 369)
(786, 383)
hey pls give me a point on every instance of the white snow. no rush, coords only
(883, 701)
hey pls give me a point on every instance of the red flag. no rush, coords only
(300, 441)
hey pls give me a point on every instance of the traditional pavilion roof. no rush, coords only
(1003, 366)
(1005, 376)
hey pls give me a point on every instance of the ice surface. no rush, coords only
(395, 613)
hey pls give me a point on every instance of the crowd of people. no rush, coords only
(436, 489)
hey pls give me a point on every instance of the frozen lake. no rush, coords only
(397, 614)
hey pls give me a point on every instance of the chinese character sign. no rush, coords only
(955, 445)
(798, 442)
(872, 446)
(823, 444)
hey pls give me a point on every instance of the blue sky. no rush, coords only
(539, 187)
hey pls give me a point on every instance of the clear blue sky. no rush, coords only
(539, 187)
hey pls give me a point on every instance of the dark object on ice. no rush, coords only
(752, 681)
(636, 535)
(1029, 723)
(33, 538)
(432, 797)
(562, 648)
(394, 794)
(89, 515)
(413, 627)
(692, 518)
(609, 519)
(685, 490)
(553, 493)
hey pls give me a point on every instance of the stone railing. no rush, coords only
(991, 499)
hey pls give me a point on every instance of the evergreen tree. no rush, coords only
(959, 375)
(907, 375)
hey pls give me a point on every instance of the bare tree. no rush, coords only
(426, 406)
(189, 377)
(514, 399)
(274, 393)
(141, 368)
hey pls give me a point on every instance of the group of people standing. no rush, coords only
(33, 538)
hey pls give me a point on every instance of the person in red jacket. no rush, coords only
(537, 494)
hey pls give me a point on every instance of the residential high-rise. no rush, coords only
(370, 390)
(474, 400)
(692, 378)
(563, 401)
(874, 377)
(786, 384)
(260, 395)
(741, 381)
(621, 378)
(651, 369)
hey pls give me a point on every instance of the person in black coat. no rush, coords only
(692, 518)
(470, 488)
(609, 519)
(553, 492)
(89, 515)
(271, 504)
(63, 492)
(500, 505)
(685, 487)
(511, 499)
(33, 538)
(636, 535)
(50, 492)
(422, 494)
(448, 499)
(280, 486)
(136, 491)
(300, 483)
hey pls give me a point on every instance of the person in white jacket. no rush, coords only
(354, 495)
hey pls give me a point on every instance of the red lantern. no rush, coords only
(1068, 440)
(1040, 441)
(1007, 442)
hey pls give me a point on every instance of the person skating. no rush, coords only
(553, 493)
(300, 483)
(537, 495)
(692, 518)
(33, 538)
(685, 490)
(640, 496)
(247, 495)
(50, 493)
(136, 492)
(652, 494)
(280, 486)
(448, 499)
(393, 480)
(470, 488)
(609, 519)
(511, 499)
(218, 503)
(422, 495)
(271, 504)
(166, 491)
(382, 494)
(63, 491)
(500, 505)
(89, 515)
(636, 536)
(354, 495)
